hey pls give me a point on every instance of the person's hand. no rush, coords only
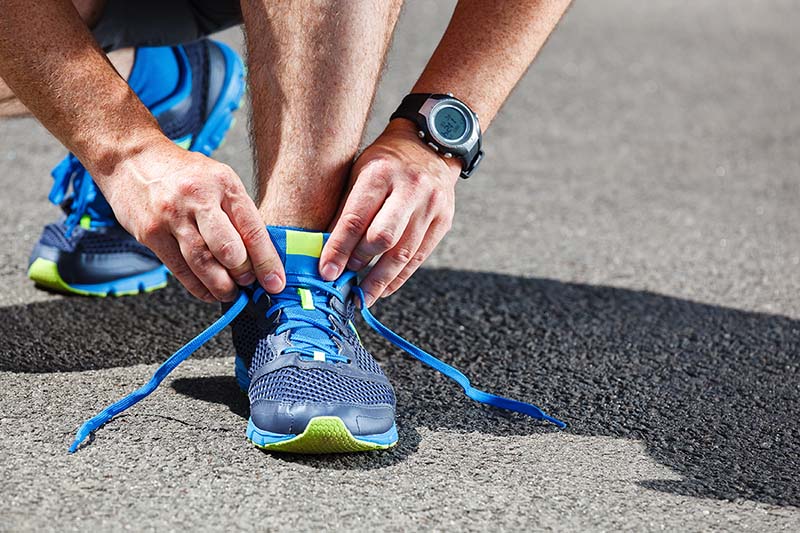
(197, 217)
(400, 205)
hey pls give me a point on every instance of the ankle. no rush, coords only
(302, 201)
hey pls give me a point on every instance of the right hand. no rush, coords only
(196, 216)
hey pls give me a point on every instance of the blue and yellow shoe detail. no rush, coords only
(45, 273)
(312, 386)
(59, 258)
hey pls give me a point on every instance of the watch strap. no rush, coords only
(409, 107)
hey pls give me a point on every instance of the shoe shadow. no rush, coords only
(225, 390)
(710, 391)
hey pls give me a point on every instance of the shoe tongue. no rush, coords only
(299, 249)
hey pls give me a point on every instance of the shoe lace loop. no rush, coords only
(307, 320)
(296, 324)
(71, 172)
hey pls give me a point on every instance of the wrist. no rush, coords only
(108, 154)
(407, 130)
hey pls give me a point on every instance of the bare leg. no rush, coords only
(313, 70)
(90, 11)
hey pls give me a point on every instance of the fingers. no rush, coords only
(264, 261)
(361, 206)
(435, 233)
(394, 261)
(385, 230)
(205, 266)
(225, 243)
(167, 249)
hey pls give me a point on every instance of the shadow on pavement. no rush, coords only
(225, 390)
(711, 391)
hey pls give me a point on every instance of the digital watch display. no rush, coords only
(447, 125)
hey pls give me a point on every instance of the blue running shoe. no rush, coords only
(313, 387)
(87, 252)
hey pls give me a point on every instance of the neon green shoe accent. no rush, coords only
(324, 434)
(306, 300)
(45, 273)
(185, 143)
(303, 243)
(353, 327)
(156, 287)
(86, 222)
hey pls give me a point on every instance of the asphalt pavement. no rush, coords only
(628, 257)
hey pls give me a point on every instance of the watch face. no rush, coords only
(450, 123)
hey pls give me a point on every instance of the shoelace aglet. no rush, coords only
(80, 436)
(162, 372)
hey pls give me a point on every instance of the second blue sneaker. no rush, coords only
(313, 387)
(193, 91)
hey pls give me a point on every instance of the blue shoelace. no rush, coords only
(292, 321)
(287, 306)
(84, 192)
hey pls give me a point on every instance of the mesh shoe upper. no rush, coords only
(112, 240)
(305, 358)
(180, 116)
(89, 246)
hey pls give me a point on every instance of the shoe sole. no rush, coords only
(322, 435)
(45, 274)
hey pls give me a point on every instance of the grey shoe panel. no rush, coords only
(292, 418)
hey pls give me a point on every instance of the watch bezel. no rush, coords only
(461, 145)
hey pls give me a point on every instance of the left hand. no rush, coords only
(401, 203)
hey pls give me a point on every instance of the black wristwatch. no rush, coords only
(447, 125)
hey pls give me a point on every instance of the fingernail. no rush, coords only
(246, 279)
(369, 299)
(330, 271)
(272, 282)
(355, 264)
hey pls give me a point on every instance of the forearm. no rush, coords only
(70, 86)
(487, 48)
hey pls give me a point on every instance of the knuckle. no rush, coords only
(415, 261)
(353, 223)
(150, 232)
(379, 283)
(436, 199)
(335, 249)
(228, 178)
(382, 238)
(447, 224)
(254, 235)
(187, 186)
(230, 253)
(403, 255)
(168, 206)
(378, 166)
(183, 273)
(416, 178)
(201, 257)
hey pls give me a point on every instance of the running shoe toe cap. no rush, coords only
(291, 418)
